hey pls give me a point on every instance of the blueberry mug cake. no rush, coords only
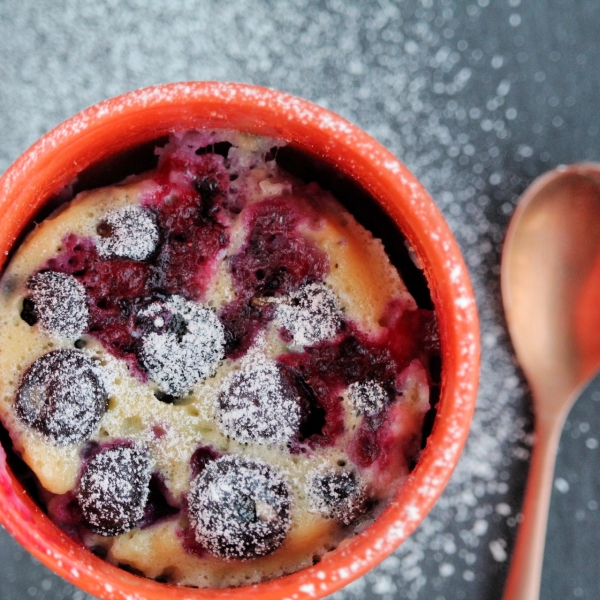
(213, 371)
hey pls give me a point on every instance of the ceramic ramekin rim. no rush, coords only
(354, 152)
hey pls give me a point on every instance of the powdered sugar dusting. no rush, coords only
(337, 493)
(256, 405)
(311, 314)
(129, 232)
(239, 508)
(58, 303)
(367, 397)
(62, 396)
(187, 346)
(114, 490)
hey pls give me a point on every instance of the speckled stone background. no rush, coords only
(477, 97)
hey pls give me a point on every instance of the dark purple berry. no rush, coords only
(160, 504)
(28, 312)
(201, 457)
(337, 494)
(239, 508)
(62, 396)
(114, 489)
(368, 397)
(312, 414)
(181, 343)
(128, 232)
(258, 405)
(57, 302)
(310, 315)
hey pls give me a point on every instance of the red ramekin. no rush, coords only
(137, 117)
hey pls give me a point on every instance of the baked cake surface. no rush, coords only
(212, 369)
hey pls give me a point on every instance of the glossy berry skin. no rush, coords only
(113, 490)
(239, 508)
(62, 396)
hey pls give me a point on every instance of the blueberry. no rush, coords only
(257, 405)
(57, 302)
(239, 508)
(28, 312)
(337, 494)
(113, 490)
(368, 397)
(128, 232)
(181, 343)
(310, 315)
(62, 396)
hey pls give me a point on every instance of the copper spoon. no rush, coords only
(551, 294)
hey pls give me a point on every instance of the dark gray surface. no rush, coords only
(477, 98)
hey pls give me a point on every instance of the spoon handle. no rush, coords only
(525, 574)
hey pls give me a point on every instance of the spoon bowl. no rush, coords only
(551, 295)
